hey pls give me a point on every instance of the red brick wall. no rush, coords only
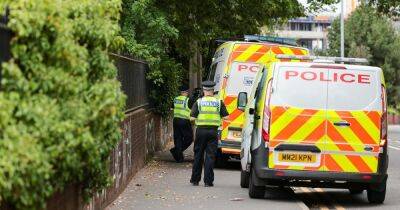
(143, 133)
(393, 119)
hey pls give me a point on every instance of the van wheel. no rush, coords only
(356, 191)
(255, 191)
(244, 179)
(376, 193)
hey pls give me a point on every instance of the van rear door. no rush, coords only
(353, 120)
(298, 118)
(241, 77)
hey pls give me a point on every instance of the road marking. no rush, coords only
(332, 201)
(321, 206)
(301, 204)
(393, 147)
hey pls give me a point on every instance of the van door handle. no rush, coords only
(342, 123)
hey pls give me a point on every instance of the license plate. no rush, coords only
(237, 134)
(297, 157)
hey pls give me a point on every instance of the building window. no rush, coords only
(293, 26)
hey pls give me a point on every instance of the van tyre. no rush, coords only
(377, 192)
(255, 191)
(244, 179)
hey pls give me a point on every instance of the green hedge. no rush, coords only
(60, 104)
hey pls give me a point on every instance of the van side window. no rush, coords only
(260, 88)
(261, 84)
(216, 71)
(213, 69)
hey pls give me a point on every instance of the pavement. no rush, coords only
(164, 184)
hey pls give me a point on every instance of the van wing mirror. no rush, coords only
(242, 100)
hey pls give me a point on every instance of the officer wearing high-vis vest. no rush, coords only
(183, 133)
(207, 113)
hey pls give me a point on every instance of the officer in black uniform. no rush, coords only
(183, 133)
(207, 112)
(197, 93)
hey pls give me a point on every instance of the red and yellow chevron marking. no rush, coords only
(262, 53)
(343, 148)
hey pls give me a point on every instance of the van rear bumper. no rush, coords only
(229, 144)
(265, 175)
(229, 147)
(297, 175)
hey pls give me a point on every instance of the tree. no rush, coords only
(148, 35)
(369, 34)
(175, 35)
(199, 22)
(387, 7)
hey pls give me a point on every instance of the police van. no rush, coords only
(316, 124)
(234, 67)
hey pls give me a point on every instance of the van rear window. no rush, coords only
(241, 77)
(295, 87)
(319, 88)
(358, 90)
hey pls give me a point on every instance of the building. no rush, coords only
(310, 32)
(350, 6)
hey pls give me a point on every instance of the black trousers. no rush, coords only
(183, 137)
(206, 141)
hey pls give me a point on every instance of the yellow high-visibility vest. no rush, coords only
(209, 111)
(181, 107)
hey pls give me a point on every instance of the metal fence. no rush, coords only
(5, 37)
(132, 75)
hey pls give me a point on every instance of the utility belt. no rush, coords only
(181, 119)
(211, 127)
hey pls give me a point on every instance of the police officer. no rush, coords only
(207, 112)
(183, 133)
(197, 93)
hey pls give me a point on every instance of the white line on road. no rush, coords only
(307, 190)
(333, 201)
(302, 205)
(393, 147)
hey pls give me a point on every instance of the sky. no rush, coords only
(328, 9)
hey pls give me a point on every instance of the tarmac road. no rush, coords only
(164, 184)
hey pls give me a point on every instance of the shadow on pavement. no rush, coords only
(232, 165)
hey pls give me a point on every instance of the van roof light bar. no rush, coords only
(322, 58)
(259, 38)
(273, 39)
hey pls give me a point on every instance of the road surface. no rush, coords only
(163, 184)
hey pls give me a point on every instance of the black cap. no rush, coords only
(208, 85)
(183, 88)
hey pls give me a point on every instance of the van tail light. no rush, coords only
(366, 177)
(267, 113)
(265, 135)
(383, 118)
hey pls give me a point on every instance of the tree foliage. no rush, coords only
(202, 21)
(168, 32)
(371, 35)
(60, 102)
(148, 35)
(386, 7)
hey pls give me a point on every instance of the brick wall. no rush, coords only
(143, 133)
(393, 119)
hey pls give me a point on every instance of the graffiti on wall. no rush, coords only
(150, 137)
